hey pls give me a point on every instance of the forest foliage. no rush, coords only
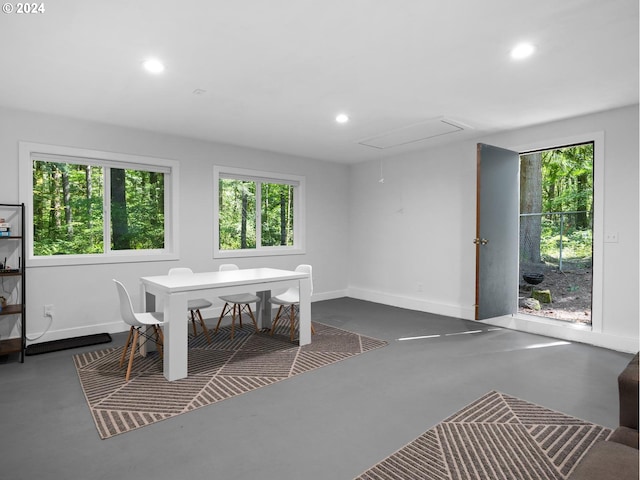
(556, 205)
(69, 205)
(241, 214)
(69, 208)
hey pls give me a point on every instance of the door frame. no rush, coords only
(598, 139)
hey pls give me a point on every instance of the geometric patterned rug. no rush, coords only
(217, 371)
(496, 437)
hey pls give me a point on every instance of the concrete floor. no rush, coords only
(332, 423)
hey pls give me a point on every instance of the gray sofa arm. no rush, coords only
(628, 391)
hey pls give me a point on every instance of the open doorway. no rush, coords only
(556, 233)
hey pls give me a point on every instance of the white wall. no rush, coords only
(84, 297)
(414, 229)
(410, 238)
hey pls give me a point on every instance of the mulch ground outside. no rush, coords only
(570, 294)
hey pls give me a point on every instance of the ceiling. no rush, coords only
(274, 74)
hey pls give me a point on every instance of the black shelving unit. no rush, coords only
(12, 247)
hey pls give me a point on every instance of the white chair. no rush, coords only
(194, 305)
(289, 302)
(139, 323)
(236, 304)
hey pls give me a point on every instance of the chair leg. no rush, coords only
(313, 330)
(133, 351)
(226, 309)
(233, 320)
(253, 318)
(126, 347)
(275, 320)
(193, 323)
(204, 327)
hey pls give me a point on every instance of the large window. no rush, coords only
(257, 213)
(88, 206)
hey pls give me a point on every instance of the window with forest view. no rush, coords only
(257, 212)
(84, 207)
(68, 214)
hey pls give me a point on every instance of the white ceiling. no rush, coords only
(276, 72)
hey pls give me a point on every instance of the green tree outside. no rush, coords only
(68, 201)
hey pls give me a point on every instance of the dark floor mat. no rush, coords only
(66, 343)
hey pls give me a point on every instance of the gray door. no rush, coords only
(496, 232)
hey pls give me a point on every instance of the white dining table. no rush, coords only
(170, 294)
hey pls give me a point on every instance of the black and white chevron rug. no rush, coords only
(497, 437)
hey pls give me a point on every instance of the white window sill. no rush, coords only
(263, 252)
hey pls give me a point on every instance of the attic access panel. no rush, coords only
(412, 133)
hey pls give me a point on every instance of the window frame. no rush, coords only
(299, 209)
(170, 168)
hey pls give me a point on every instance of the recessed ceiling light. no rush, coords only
(153, 65)
(522, 50)
(342, 118)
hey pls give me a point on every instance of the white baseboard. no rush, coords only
(562, 331)
(410, 303)
(210, 314)
(318, 297)
(112, 327)
(546, 327)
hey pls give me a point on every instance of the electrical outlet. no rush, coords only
(611, 237)
(48, 310)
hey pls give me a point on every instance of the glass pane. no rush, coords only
(237, 214)
(67, 209)
(137, 210)
(277, 214)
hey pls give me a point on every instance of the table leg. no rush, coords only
(264, 309)
(175, 337)
(148, 301)
(305, 311)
